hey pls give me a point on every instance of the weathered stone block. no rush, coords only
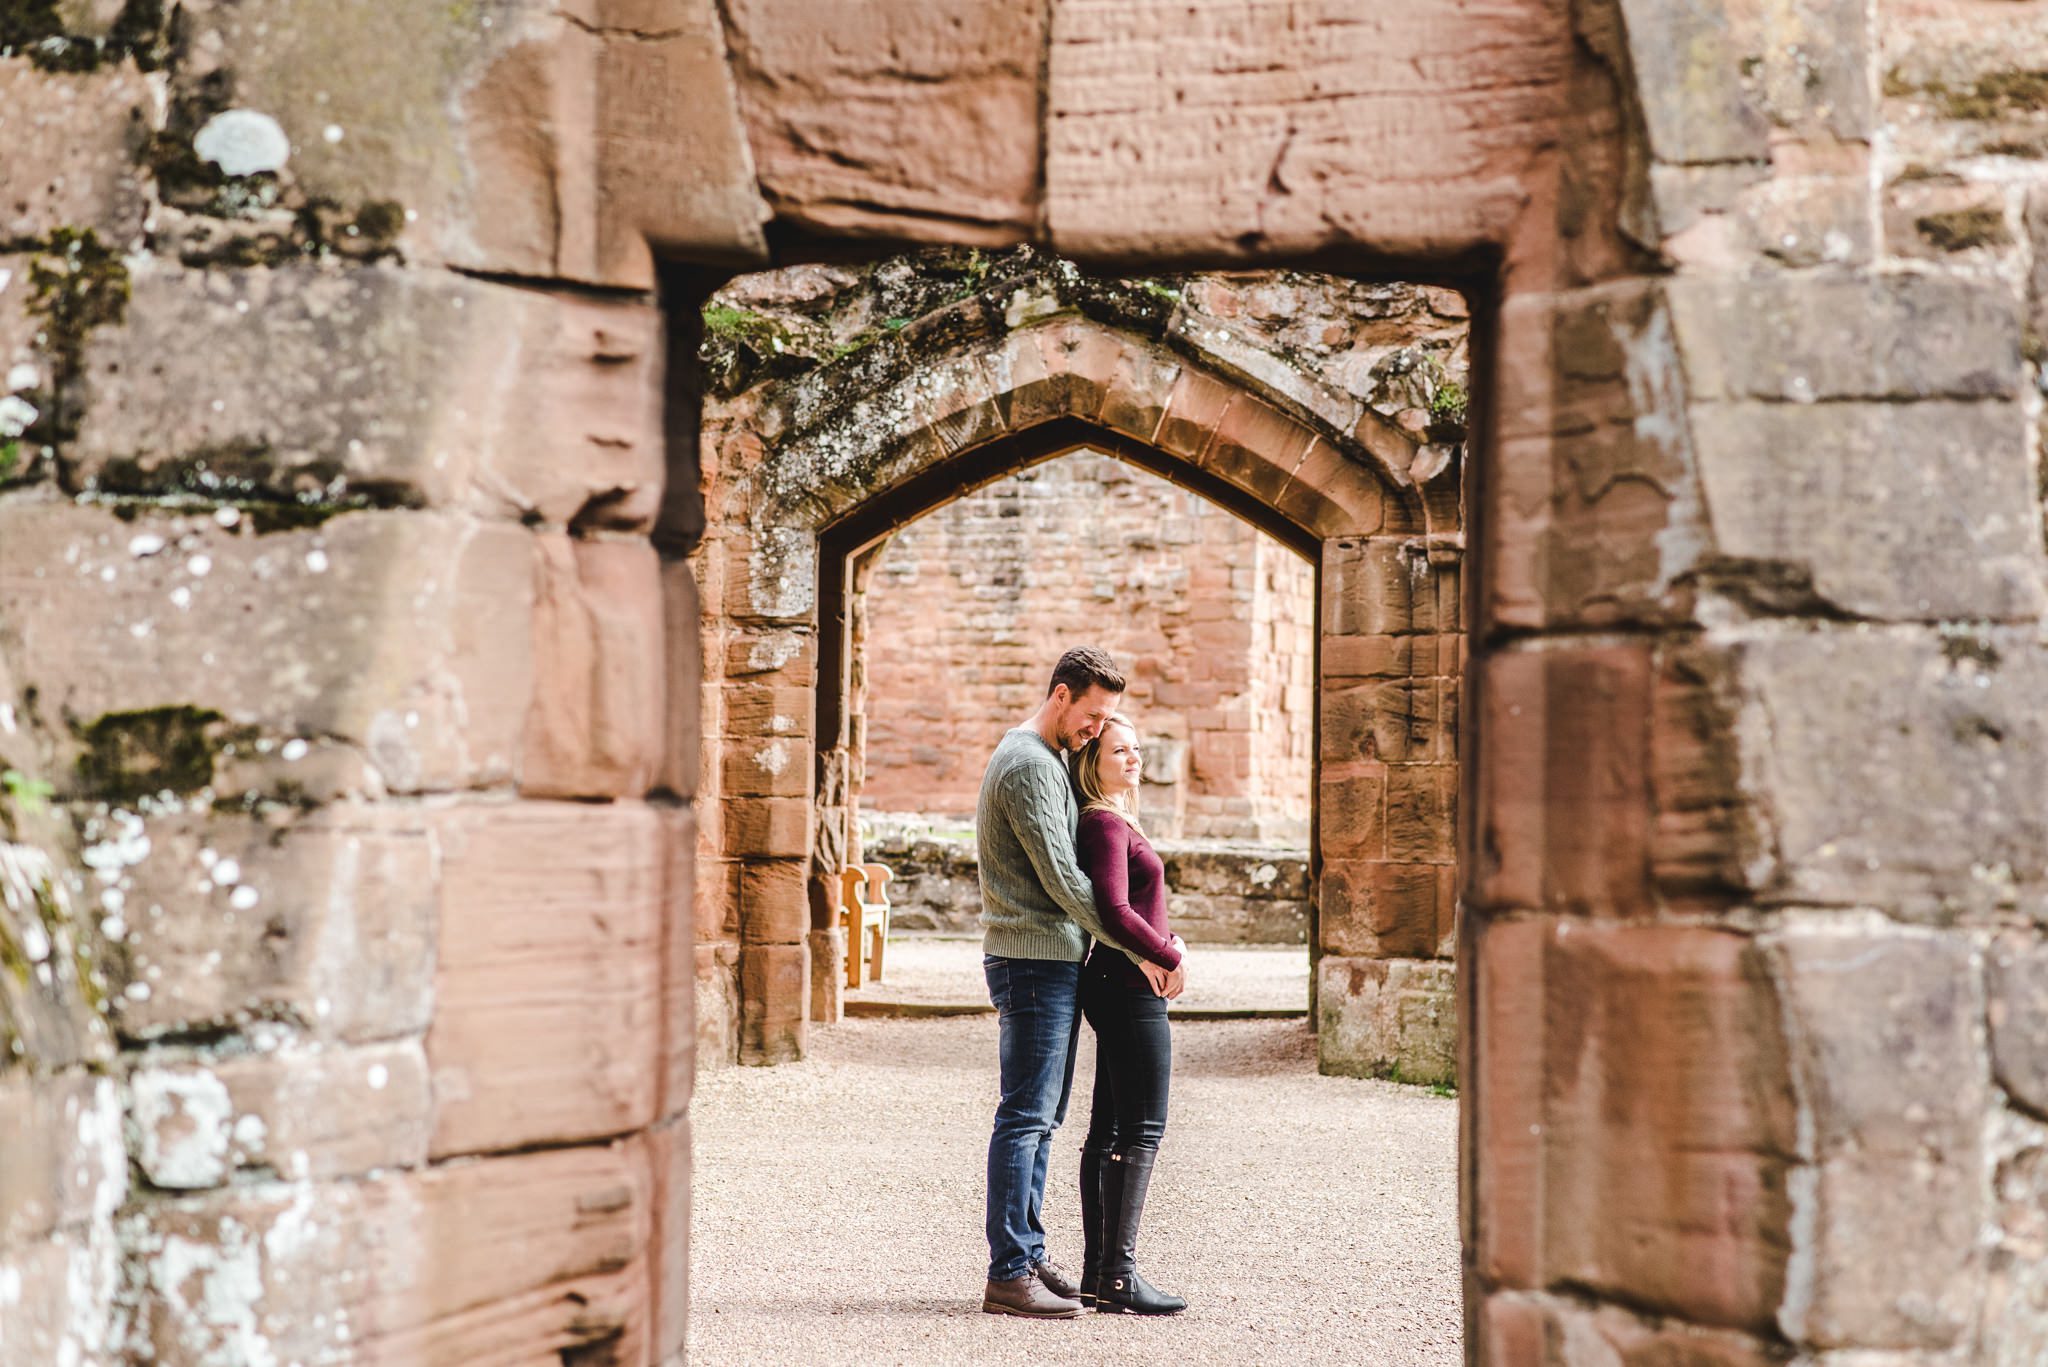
(766, 827)
(61, 1157)
(377, 385)
(774, 991)
(543, 1252)
(1894, 336)
(2016, 982)
(718, 1005)
(678, 839)
(1422, 802)
(828, 974)
(1665, 1125)
(1192, 412)
(1279, 119)
(1370, 588)
(1331, 495)
(1833, 501)
(682, 618)
(325, 921)
(1562, 798)
(297, 1111)
(191, 608)
(775, 767)
(548, 994)
(775, 905)
(1896, 770)
(1386, 1018)
(596, 725)
(72, 143)
(853, 129)
(1140, 387)
(1689, 82)
(1351, 812)
(1380, 908)
(1256, 448)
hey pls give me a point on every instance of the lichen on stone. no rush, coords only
(35, 29)
(1955, 230)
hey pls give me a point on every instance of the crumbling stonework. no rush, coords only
(1752, 865)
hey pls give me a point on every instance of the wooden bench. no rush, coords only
(864, 913)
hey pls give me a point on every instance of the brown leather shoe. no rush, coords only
(1029, 1297)
(1056, 1279)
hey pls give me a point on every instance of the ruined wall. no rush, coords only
(1212, 621)
(1752, 921)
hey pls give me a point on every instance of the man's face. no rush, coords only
(1080, 718)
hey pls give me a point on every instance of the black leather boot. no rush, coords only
(1121, 1291)
(1091, 1222)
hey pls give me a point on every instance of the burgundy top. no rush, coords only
(1130, 891)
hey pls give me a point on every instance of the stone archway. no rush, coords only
(802, 477)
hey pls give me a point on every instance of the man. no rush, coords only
(1038, 914)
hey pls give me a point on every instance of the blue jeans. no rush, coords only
(1039, 1016)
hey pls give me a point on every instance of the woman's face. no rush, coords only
(1120, 763)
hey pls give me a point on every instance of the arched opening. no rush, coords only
(803, 474)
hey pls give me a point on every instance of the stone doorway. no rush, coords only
(805, 473)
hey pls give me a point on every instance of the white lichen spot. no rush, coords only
(149, 543)
(227, 517)
(24, 375)
(333, 133)
(136, 992)
(243, 142)
(199, 566)
(1264, 874)
(250, 1132)
(293, 751)
(227, 872)
(244, 898)
(8, 725)
(139, 631)
(17, 415)
(316, 561)
(181, 598)
(182, 1120)
(774, 757)
(379, 1077)
(208, 856)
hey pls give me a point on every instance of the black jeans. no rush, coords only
(1133, 1061)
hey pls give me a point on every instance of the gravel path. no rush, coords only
(837, 1208)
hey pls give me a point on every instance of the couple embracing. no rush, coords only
(1074, 921)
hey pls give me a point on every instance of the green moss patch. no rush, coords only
(129, 755)
(1980, 225)
(1995, 96)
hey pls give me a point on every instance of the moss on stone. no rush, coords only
(76, 283)
(1955, 230)
(1995, 95)
(248, 477)
(35, 29)
(129, 755)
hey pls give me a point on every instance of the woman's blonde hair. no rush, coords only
(1088, 775)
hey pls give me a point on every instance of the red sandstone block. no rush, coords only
(1563, 800)
(1256, 448)
(1370, 588)
(960, 404)
(678, 836)
(1142, 382)
(682, 616)
(1504, 1100)
(1333, 495)
(548, 993)
(1027, 390)
(1080, 360)
(777, 766)
(669, 1164)
(1378, 908)
(774, 1001)
(1372, 657)
(716, 897)
(1351, 812)
(1421, 810)
(596, 724)
(1192, 412)
(775, 903)
(752, 708)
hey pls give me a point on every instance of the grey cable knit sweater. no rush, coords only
(1035, 901)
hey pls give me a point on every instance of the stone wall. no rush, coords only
(347, 434)
(1212, 621)
(1221, 894)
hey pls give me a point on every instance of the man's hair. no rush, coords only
(1083, 666)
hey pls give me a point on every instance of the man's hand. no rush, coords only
(1156, 977)
(1176, 981)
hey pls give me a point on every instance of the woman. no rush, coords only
(1125, 1004)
